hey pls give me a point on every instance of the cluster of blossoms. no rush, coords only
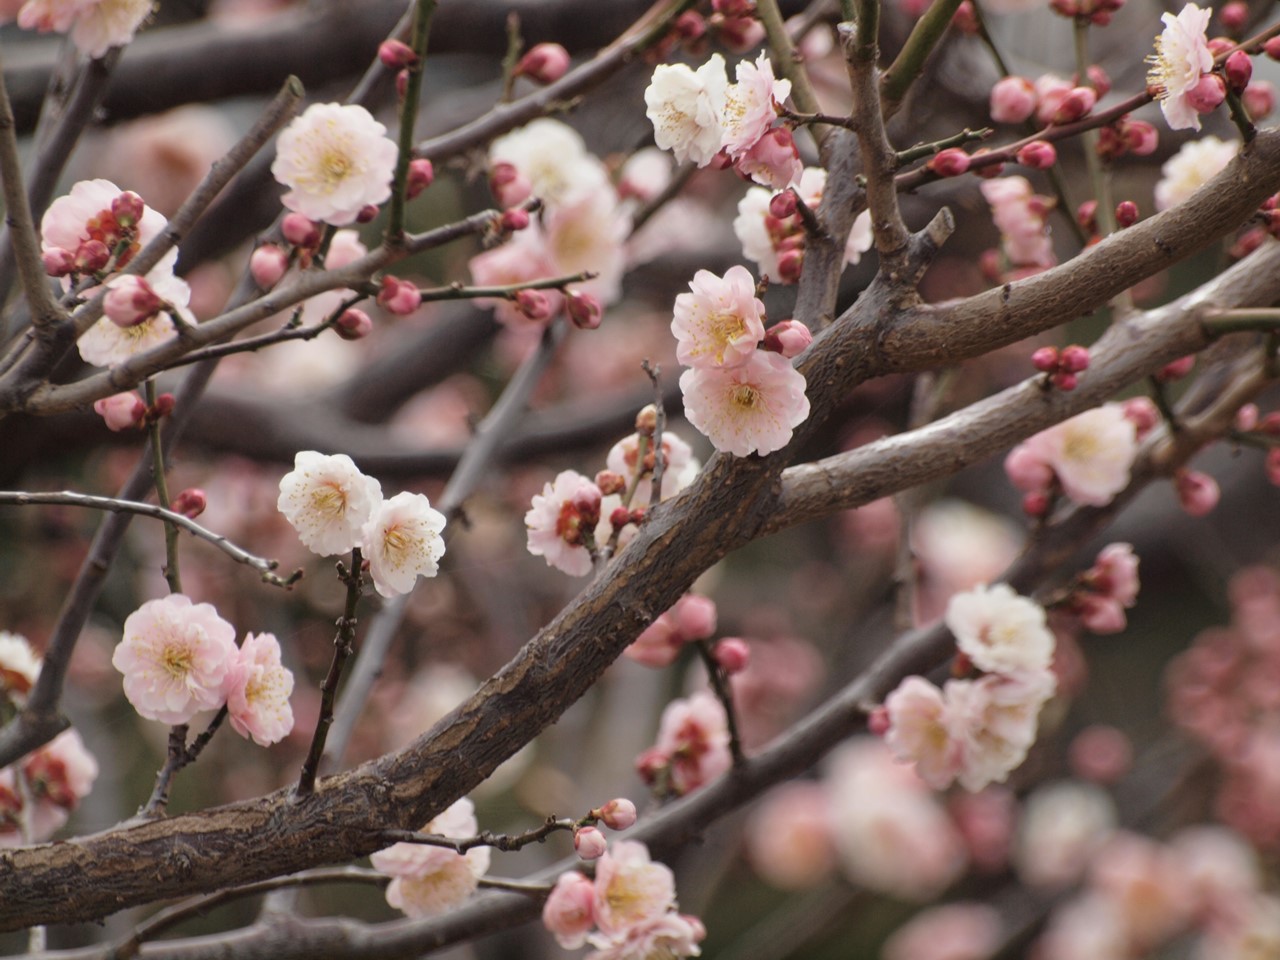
(95, 26)
(628, 912)
(1022, 218)
(743, 399)
(336, 509)
(692, 747)
(700, 117)
(93, 232)
(583, 225)
(1108, 588)
(575, 518)
(430, 880)
(180, 658)
(55, 777)
(977, 731)
(772, 233)
(692, 618)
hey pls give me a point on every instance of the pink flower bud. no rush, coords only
(949, 163)
(1197, 492)
(1035, 504)
(783, 205)
(1141, 138)
(1246, 417)
(1271, 424)
(586, 500)
(964, 20)
(878, 721)
(1101, 754)
(733, 654)
(1238, 69)
(619, 518)
(353, 324)
(508, 185)
(1142, 413)
(396, 55)
(402, 83)
(1075, 358)
(1038, 155)
(190, 503)
(741, 34)
(1027, 470)
(534, 304)
(1259, 99)
(637, 514)
(1045, 359)
(513, 220)
(1013, 100)
(790, 263)
(1272, 48)
(544, 63)
(1234, 16)
(1219, 46)
(694, 617)
(1206, 95)
(58, 262)
(368, 213)
(267, 265)
(127, 208)
(422, 173)
(618, 814)
(399, 296)
(1064, 381)
(130, 301)
(91, 256)
(690, 26)
(584, 311)
(789, 338)
(164, 405)
(1126, 213)
(1100, 615)
(300, 231)
(773, 160)
(1098, 79)
(1177, 369)
(610, 483)
(651, 764)
(121, 411)
(1087, 215)
(569, 913)
(1075, 105)
(589, 843)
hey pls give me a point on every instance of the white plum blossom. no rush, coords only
(678, 472)
(1182, 56)
(751, 105)
(666, 937)
(554, 158)
(750, 408)
(1000, 631)
(1195, 164)
(105, 344)
(257, 691)
(328, 500)
(402, 542)
(1062, 826)
(997, 717)
(336, 159)
(720, 322)
(430, 880)
(630, 888)
(589, 233)
(95, 25)
(564, 518)
(919, 732)
(19, 666)
(686, 109)
(1090, 454)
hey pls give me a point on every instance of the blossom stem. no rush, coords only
(498, 841)
(908, 66)
(343, 644)
(456, 291)
(511, 59)
(660, 424)
(180, 755)
(1240, 117)
(922, 150)
(1161, 398)
(423, 11)
(171, 572)
(720, 686)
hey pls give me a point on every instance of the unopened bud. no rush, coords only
(741, 34)
(544, 63)
(267, 265)
(513, 220)
(878, 721)
(353, 324)
(1075, 105)
(790, 264)
(637, 514)
(690, 26)
(1013, 100)
(1038, 155)
(58, 262)
(789, 338)
(509, 185)
(1207, 94)
(1177, 369)
(1198, 493)
(1142, 413)
(396, 55)
(127, 208)
(300, 231)
(733, 654)
(1066, 382)
(1238, 69)
(534, 304)
(610, 483)
(190, 503)
(584, 311)
(783, 205)
(1087, 215)
(1035, 504)
(1259, 99)
(1045, 359)
(121, 411)
(91, 256)
(421, 175)
(617, 814)
(1234, 16)
(130, 300)
(949, 163)
(163, 406)
(1126, 213)
(367, 214)
(647, 420)
(1272, 48)
(1141, 138)
(619, 518)
(1246, 417)
(1098, 79)
(589, 843)
(1074, 359)
(399, 296)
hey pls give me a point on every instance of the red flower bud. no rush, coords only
(1038, 155)
(300, 231)
(949, 163)
(1234, 16)
(544, 63)
(1045, 359)
(534, 304)
(190, 503)
(783, 205)
(1074, 359)
(127, 208)
(1238, 70)
(1126, 213)
(584, 310)
(353, 324)
(513, 220)
(421, 175)
(91, 257)
(396, 55)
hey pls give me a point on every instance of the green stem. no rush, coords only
(909, 64)
(912, 154)
(408, 114)
(515, 43)
(459, 292)
(1242, 321)
(171, 572)
(787, 61)
(1240, 117)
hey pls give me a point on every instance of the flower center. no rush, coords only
(329, 500)
(397, 544)
(746, 397)
(176, 662)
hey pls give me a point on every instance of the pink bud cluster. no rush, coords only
(1062, 368)
(1097, 12)
(112, 236)
(692, 748)
(1104, 591)
(692, 618)
(122, 411)
(1022, 218)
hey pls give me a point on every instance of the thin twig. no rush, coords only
(172, 572)
(659, 425)
(180, 755)
(498, 841)
(724, 693)
(422, 13)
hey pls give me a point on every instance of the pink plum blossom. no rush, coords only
(1145, 880)
(788, 837)
(630, 889)
(751, 408)
(773, 160)
(257, 689)
(1182, 56)
(402, 542)
(720, 322)
(175, 656)
(693, 735)
(1021, 217)
(955, 931)
(1013, 100)
(1000, 631)
(687, 107)
(1090, 454)
(562, 522)
(666, 937)
(520, 260)
(691, 618)
(430, 880)
(679, 470)
(920, 732)
(328, 501)
(589, 234)
(569, 912)
(751, 105)
(997, 717)
(63, 771)
(335, 159)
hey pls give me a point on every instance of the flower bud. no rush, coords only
(300, 231)
(1259, 99)
(1064, 381)
(1246, 417)
(353, 324)
(127, 209)
(789, 338)
(1177, 369)
(130, 300)
(690, 26)
(741, 34)
(190, 503)
(1141, 138)
(878, 721)
(647, 420)
(121, 411)
(964, 20)
(790, 264)
(783, 205)
(1219, 46)
(1075, 105)
(617, 814)
(368, 213)
(58, 262)
(1206, 95)
(652, 764)
(534, 304)
(544, 63)
(1126, 213)
(267, 265)
(733, 655)
(399, 296)
(1234, 16)
(1074, 359)
(1038, 155)
(1142, 413)
(1098, 79)
(619, 518)
(1035, 504)
(1087, 215)
(508, 185)
(513, 220)
(584, 310)
(421, 175)
(610, 483)
(91, 256)
(1272, 48)
(1197, 492)
(589, 843)
(949, 163)
(1271, 466)
(637, 515)
(694, 617)
(1013, 100)
(586, 500)
(1045, 359)
(164, 405)
(396, 54)
(1238, 69)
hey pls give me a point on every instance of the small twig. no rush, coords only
(456, 291)
(539, 890)
(805, 119)
(343, 644)
(181, 754)
(922, 150)
(498, 841)
(171, 570)
(720, 686)
(1222, 322)
(422, 14)
(114, 505)
(1240, 117)
(1161, 398)
(511, 59)
(659, 425)
(678, 180)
